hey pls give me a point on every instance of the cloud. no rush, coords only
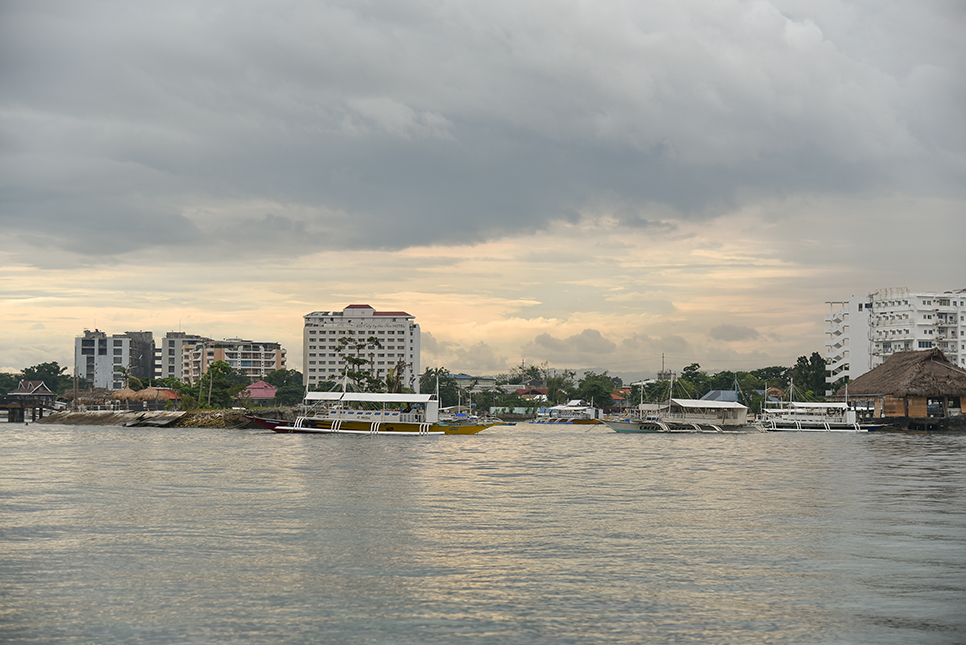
(733, 333)
(438, 124)
(581, 347)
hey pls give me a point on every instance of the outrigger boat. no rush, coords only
(373, 413)
(575, 411)
(687, 415)
(800, 416)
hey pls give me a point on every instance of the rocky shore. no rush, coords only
(235, 419)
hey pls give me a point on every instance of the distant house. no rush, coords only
(910, 384)
(36, 391)
(259, 393)
(721, 395)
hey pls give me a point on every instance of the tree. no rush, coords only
(596, 388)
(289, 383)
(359, 369)
(448, 387)
(51, 374)
(219, 385)
(395, 377)
(560, 387)
(809, 375)
(8, 382)
(522, 373)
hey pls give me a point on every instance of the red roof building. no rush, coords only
(259, 392)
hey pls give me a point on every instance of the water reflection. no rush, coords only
(522, 534)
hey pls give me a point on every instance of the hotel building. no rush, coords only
(863, 332)
(397, 331)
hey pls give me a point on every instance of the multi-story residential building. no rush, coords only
(397, 332)
(255, 359)
(99, 358)
(863, 332)
(902, 320)
(848, 350)
(169, 361)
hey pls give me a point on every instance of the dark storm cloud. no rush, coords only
(381, 125)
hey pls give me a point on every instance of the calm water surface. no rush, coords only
(523, 534)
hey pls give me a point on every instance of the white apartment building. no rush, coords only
(864, 332)
(99, 357)
(169, 355)
(848, 350)
(255, 359)
(397, 331)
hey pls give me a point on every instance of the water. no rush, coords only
(523, 534)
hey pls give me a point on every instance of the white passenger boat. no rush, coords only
(688, 415)
(800, 416)
(575, 411)
(379, 413)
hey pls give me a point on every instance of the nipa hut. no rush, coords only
(910, 384)
(127, 394)
(157, 394)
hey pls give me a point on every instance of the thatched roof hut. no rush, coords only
(908, 383)
(127, 394)
(157, 394)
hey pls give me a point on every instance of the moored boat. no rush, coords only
(687, 416)
(575, 411)
(379, 413)
(801, 416)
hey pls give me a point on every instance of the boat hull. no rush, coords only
(656, 427)
(807, 427)
(325, 426)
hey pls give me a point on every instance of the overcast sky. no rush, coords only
(591, 184)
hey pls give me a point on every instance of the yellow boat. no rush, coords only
(375, 413)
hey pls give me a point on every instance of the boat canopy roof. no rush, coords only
(708, 405)
(367, 397)
(804, 404)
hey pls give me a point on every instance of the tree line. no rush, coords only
(221, 384)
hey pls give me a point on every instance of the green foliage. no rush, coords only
(359, 368)
(51, 374)
(8, 382)
(596, 388)
(809, 376)
(289, 383)
(523, 373)
(776, 376)
(448, 387)
(560, 387)
(283, 378)
(220, 384)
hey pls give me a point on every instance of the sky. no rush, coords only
(599, 185)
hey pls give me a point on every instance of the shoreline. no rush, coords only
(231, 419)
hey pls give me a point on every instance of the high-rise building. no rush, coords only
(254, 359)
(103, 360)
(863, 332)
(169, 360)
(323, 356)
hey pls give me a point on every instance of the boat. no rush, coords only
(688, 416)
(575, 411)
(377, 413)
(800, 416)
(262, 422)
(632, 419)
